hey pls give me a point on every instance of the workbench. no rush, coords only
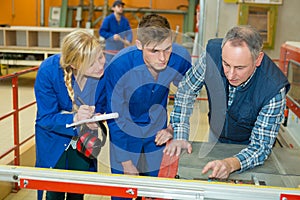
(280, 173)
(281, 169)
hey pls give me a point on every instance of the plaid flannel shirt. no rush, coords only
(263, 134)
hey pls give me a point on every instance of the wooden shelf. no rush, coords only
(24, 36)
(34, 41)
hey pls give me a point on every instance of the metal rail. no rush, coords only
(132, 186)
(141, 10)
(15, 113)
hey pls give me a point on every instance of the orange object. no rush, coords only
(169, 166)
(286, 112)
(197, 17)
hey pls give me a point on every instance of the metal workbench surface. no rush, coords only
(281, 169)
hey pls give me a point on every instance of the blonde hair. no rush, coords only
(79, 51)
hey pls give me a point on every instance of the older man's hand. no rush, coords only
(222, 168)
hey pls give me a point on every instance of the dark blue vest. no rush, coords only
(248, 101)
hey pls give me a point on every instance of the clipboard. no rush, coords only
(95, 119)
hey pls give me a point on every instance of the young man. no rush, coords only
(137, 86)
(116, 30)
(254, 91)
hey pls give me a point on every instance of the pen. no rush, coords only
(80, 100)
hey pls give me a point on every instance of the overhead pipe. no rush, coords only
(42, 22)
(141, 10)
(36, 12)
(105, 9)
(13, 8)
(201, 22)
(78, 17)
(218, 15)
(90, 16)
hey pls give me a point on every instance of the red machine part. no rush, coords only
(288, 52)
(78, 188)
(289, 197)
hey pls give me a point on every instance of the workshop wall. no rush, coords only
(286, 30)
(21, 13)
(27, 13)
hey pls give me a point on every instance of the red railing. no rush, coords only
(15, 113)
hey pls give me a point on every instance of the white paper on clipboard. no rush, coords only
(94, 119)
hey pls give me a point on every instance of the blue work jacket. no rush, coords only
(140, 100)
(110, 26)
(54, 110)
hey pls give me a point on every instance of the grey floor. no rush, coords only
(199, 126)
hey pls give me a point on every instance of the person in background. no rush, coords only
(116, 30)
(137, 87)
(61, 81)
(255, 91)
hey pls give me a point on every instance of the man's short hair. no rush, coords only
(153, 28)
(118, 2)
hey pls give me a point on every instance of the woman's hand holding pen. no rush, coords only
(86, 112)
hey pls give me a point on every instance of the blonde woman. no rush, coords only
(61, 80)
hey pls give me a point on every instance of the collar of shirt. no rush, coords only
(233, 89)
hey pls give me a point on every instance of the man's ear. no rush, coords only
(259, 59)
(139, 44)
